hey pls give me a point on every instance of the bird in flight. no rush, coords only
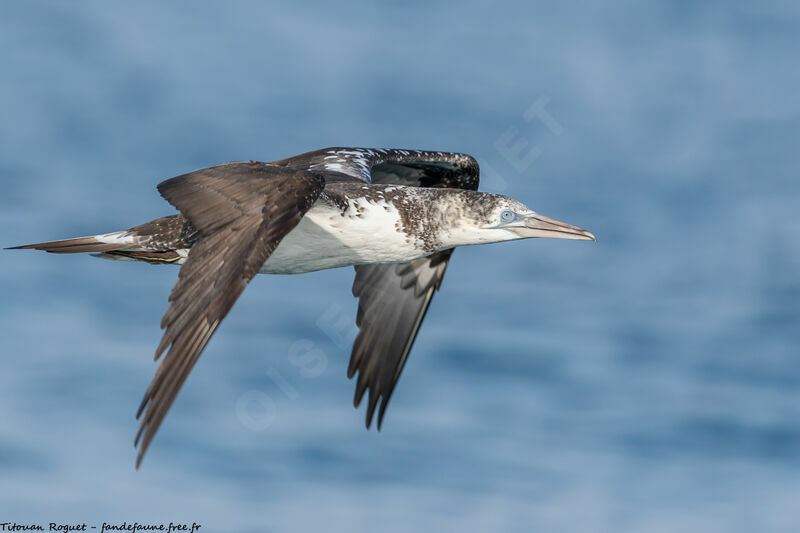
(395, 215)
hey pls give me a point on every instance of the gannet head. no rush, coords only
(480, 218)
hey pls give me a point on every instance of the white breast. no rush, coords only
(368, 232)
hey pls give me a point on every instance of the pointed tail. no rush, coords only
(97, 243)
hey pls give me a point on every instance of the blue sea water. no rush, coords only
(646, 383)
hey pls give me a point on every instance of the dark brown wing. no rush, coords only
(418, 168)
(393, 300)
(241, 212)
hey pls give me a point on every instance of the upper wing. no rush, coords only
(241, 211)
(393, 298)
(417, 168)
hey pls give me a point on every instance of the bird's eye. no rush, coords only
(507, 215)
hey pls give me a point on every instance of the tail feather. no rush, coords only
(97, 243)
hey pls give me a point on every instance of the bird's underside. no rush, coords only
(289, 216)
(395, 215)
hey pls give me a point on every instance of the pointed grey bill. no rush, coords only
(536, 225)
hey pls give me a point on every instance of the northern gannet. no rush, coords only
(395, 215)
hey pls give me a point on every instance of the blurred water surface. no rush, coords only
(647, 383)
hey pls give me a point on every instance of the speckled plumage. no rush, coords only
(395, 215)
(424, 213)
